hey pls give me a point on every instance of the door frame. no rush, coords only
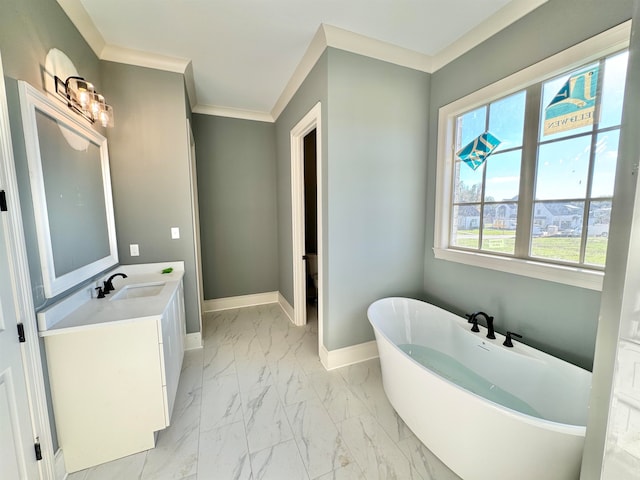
(195, 208)
(32, 361)
(312, 120)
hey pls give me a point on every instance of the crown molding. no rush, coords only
(313, 53)
(326, 36)
(233, 113)
(372, 48)
(112, 53)
(330, 36)
(82, 21)
(104, 51)
(504, 17)
(190, 85)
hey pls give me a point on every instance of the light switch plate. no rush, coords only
(134, 250)
(175, 233)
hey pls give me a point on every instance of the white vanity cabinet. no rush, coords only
(172, 340)
(114, 367)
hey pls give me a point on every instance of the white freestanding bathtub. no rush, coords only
(489, 412)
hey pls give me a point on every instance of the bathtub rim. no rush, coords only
(566, 428)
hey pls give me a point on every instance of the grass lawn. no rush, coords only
(557, 248)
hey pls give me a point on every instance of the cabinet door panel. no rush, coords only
(107, 391)
(173, 349)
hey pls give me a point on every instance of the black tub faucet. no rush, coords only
(473, 318)
(108, 283)
(507, 341)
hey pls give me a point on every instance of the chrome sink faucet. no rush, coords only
(473, 318)
(108, 284)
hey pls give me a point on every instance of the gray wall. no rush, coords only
(312, 91)
(236, 163)
(374, 146)
(376, 190)
(149, 156)
(559, 319)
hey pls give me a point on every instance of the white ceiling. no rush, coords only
(245, 53)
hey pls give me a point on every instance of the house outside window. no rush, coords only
(538, 201)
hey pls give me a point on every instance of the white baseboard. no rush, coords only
(342, 357)
(193, 341)
(286, 306)
(60, 471)
(330, 359)
(218, 304)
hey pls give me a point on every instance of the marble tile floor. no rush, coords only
(256, 404)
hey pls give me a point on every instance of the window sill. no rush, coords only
(574, 276)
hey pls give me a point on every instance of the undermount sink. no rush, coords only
(139, 290)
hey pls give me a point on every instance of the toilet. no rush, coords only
(312, 276)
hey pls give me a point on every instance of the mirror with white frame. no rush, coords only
(71, 191)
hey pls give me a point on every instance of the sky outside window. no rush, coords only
(574, 171)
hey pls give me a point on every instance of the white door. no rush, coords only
(17, 455)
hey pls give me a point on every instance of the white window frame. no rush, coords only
(592, 49)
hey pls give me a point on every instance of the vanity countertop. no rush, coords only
(80, 311)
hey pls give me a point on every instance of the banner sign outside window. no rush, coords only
(574, 104)
(477, 151)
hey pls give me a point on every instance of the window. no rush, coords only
(537, 200)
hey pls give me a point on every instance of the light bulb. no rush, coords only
(83, 98)
(97, 104)
(83, 91)
(106, 116)
(104, 119)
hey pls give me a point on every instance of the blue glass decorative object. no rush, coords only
(477, 151)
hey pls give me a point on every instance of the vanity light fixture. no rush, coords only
(82, 98)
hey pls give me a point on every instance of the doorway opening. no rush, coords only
(311, 223)
(306, 221)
